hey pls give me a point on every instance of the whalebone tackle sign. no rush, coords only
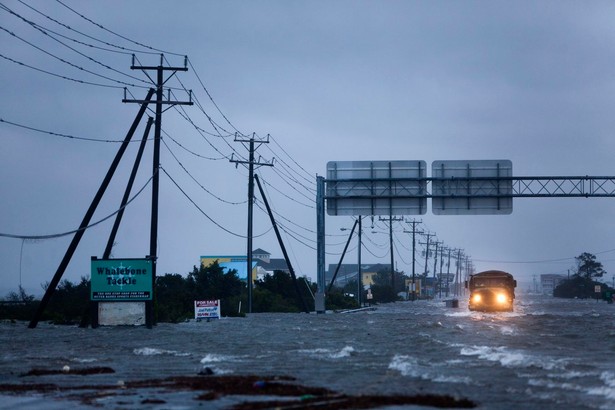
(121, 279)
(207, 309)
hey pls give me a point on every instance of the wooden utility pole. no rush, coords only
(250, 163)
(391, 219)
(414, 223)
(160, 102)
(426, 243)
(88, 215)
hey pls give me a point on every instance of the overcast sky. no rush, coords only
(526, 81)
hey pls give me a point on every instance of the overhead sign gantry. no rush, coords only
(480, 187)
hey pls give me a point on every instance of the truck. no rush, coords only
(491, 291)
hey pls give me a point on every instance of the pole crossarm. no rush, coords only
(477, 187)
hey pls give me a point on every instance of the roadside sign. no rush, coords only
(207, 309)
(121, 280)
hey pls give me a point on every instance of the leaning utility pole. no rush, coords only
(160, 101)
(88, 215)
(250, 163)
(414, 222)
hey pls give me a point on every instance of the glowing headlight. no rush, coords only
(476, 298)
(501, 298)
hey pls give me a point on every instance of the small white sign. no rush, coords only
(207, 309)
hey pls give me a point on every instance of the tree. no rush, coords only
(20, 296)
(174, 299)
(286, 298)
(19, 306)
(210, 282)
(587, 267)
(582, 283)
(337, 299)
(70, 302)
(382, 290)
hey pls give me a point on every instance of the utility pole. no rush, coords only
(448, 272)
(88, 215)
(435, 264)
(441, 262)
(160, 102)
(469, 269)
(391, 220)
(250, 163)
(457, 272)
(359, 273)
(428, 235)
(414, 223)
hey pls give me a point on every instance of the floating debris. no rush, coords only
(67, 370)
(291, 395)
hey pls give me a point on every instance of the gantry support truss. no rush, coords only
(481, 187)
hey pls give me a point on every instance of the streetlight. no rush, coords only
(359, 285)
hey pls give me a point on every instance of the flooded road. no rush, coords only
(549, 353)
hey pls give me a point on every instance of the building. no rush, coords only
(348, 273)
(262, 263)
(548, 282)
(267, 265)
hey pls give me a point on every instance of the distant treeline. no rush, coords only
(584, 282)
(175, 296)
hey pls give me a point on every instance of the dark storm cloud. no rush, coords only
(525, 81)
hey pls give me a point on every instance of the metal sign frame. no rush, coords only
(376, 188)
(480, 187)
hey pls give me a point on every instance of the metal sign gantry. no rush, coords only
(468, 188)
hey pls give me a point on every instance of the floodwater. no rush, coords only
(549, 353)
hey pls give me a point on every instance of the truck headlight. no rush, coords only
(501, 298)
(476, 298)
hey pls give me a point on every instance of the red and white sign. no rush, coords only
(207, 309)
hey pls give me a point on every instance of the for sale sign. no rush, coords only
(207, 309)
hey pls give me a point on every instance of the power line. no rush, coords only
(211, 98)
(289, 197)
(116, 34)
(68, 62)
(58, 134)
(43, 31)
(204, 213)
(200, 131)
(197, 182)
(123, 50)
(292, 159)
(59, 75)
(59, 235)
